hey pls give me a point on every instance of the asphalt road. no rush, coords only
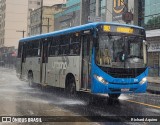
(18, 99)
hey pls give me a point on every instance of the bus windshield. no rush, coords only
(120, 51)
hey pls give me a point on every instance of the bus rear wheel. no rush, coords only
(71, 86)
(30, 79)
(114, 96)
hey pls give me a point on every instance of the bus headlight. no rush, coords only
(100, 79)
(143, 80)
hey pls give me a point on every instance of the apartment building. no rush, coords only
(43, 23)
(37, 7)
(13, 18)
(69, 17)
(32, 5)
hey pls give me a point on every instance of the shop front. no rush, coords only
(154, 56)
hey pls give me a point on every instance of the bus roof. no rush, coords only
(74, 29)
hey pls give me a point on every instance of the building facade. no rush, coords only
(114, 11)
(53, 2)
(32, 5)
(69, 17)
(97, 10)
(152, 25)
(13, 18)
(36, 6)
(43, 23)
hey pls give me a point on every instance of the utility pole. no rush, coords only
(84, 13)
(22, 31)
(48, 24)
(41, 16)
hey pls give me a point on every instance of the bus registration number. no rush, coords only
(124, 90)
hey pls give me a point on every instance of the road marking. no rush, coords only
(144, 94)
(153, 106)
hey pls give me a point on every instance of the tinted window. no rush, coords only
(75, 45)
(20, 50)
(54, 47)
(65, 41)
(33, 48)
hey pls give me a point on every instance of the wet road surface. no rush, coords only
(18, 99)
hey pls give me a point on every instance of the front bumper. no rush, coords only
(118, 88)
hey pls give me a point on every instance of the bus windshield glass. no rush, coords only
(120, 50)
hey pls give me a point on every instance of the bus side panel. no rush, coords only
(50, 76)
(24, 71)
(59, 67)
(71, 66)
(18, 67)
(33, 65)
(52, 72)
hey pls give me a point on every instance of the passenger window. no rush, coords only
(20, 50)
(54, 47)
(32, 48)
(65, 45)
(75, 45)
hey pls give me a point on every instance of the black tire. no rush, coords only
(114, 96)
(30, 79)
(71, 86)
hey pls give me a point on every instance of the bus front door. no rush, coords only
(85, 62)
(44, 61)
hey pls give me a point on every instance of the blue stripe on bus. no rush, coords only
(74, 29)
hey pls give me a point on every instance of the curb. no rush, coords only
(153, 88)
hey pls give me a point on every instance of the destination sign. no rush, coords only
(106, 28)
(122, 29)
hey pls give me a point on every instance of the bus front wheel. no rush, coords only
(114, 96)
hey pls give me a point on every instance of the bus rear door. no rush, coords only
(44, 61)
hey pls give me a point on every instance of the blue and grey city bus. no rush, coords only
(96, 57)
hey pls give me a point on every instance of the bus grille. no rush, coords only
(124, 83)
(123, 73)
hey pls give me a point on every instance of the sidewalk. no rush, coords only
(153, 84)
(153, 79)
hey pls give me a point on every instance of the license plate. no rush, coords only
(124, 90)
